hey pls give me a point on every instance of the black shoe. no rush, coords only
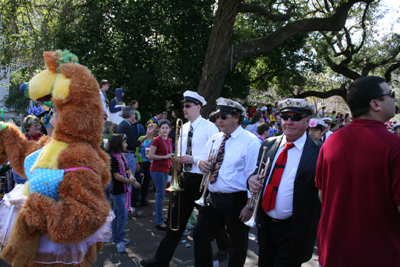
(154, 263)
(221, 255)
(144, 203)
(159, 227)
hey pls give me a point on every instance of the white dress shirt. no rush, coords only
(328, 134)
(202, 131)
(240, 160)
(103, 101)
(284, 199)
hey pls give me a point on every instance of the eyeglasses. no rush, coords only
(391, 93)
(223, 117)
(124, 137)
(295, 117)
(188, 105)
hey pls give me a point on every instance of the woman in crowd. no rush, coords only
(347, 119)
(316, 128)
(145, 162)
(32, 126)
(255, 121)
(161, 154)
(122, 178)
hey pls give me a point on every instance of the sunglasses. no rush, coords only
(188, 105)
(391, 93)
(223, 117)
(295, 117)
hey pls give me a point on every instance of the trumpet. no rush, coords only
(211, 155)
(206, 178)
(255, 198)
(175, 187)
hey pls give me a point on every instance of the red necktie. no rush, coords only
(271, 191)
(218, 160)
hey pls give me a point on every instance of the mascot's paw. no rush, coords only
(22, 245)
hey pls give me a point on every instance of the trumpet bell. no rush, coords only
(251, 223)
(201, 202)
(174, 187)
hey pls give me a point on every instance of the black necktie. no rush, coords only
(188, 167)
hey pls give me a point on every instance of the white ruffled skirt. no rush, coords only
(50, 252)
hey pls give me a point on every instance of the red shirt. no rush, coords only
(358, 173)
(35, 138)
(161, 165)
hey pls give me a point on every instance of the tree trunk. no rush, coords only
(218, 57)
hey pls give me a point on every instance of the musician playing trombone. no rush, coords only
(236, 160)
(289, 207)
(195, 134)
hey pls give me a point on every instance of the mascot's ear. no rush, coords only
(51, 61)
(68, 69)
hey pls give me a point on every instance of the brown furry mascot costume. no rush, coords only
(65, 216)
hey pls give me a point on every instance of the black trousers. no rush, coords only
(224, 210)
(278, 249)
(190, 184)
(143, 190)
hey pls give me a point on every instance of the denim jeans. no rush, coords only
(121, 217)
(160, 180)
(131, 158)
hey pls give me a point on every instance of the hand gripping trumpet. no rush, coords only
(255, 198)
(206, 177)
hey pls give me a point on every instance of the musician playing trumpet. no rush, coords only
(289, 207)
(236, 160)
(195, 134)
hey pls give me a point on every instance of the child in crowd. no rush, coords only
(161, 154)
(122, 179)
(262, 130)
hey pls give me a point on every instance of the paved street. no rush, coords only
(145, 239)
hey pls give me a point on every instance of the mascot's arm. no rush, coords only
(81, 208)
(15, 147)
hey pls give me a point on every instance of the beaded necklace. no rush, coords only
(166, 149)
(124, 172)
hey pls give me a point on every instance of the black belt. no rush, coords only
(278, 221)
(191, 174)
(233, 193)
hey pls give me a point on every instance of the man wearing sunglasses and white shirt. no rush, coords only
(195, 134)
(289, 208)
(358, 175)
(236, 159)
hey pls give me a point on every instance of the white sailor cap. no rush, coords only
(395, 126)
(316, 123)
(190, 96)
(263, 108)
(327, 119)
(296, 105)
(226, 106)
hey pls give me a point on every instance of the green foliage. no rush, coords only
(15, 100)
(152, 49)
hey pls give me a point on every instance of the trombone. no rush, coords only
(255, 198)
(206, 177)
(175, 187)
